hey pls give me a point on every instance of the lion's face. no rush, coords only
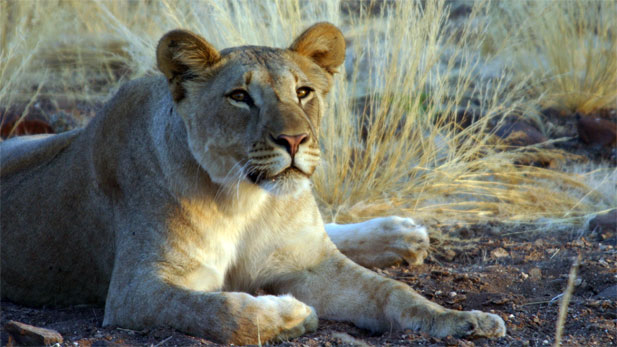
(252, 113)
(257, 118)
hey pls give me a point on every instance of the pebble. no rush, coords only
(499, 253)
(596, 130)
(535, 274)
(606, 222)
(609, 293)
(449, 255)
(518, 133)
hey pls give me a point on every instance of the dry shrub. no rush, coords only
(414, 159)
(391, 141)
(568, 48)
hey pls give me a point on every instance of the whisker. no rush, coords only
(231, 177)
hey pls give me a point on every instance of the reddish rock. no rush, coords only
(28, 335)
(596, 131)
(14, 125)
(518, 133)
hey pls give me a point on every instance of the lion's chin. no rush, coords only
(289, 181)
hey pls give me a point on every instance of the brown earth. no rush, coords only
(512, 271)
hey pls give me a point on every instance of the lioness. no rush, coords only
(189, 190)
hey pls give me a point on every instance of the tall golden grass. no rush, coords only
(569, 48)
(390, 139)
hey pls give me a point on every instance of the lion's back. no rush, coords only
(45, 248)
(23, 152)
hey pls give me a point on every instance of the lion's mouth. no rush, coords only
(259, 177)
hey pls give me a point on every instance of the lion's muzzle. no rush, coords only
(283, 158)
(290, 142)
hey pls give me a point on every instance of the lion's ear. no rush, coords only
(181, 55)
(324, 43)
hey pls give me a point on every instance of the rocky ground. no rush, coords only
(518, 274)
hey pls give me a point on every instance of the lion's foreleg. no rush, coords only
(342, 290)
(224, 317)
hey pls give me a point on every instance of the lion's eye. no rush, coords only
(240, 96)
(303, 92)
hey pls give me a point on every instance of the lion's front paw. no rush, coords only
(407, 239)
(298, 318)
(381, 242)
(275, 318)
(470, 323)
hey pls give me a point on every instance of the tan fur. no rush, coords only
(382, 241)
(177, 201)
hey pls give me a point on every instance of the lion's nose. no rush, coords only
(291, 142)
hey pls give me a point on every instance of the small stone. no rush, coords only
(450, 341)
(62, 121)
(500, 300)
(606, 222)
(518, 133)
(596, 130)
(609, 293)
(452, 294)
(499, 253)
(449, 255)
(539, 243)
(535, 274)
(28, 335)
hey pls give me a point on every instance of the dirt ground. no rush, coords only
(512, 271)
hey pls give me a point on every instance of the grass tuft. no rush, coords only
(569, 48)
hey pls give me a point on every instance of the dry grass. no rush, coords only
(569, 48)
(398, 152)
(565, 301)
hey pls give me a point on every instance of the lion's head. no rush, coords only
(253, 113)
